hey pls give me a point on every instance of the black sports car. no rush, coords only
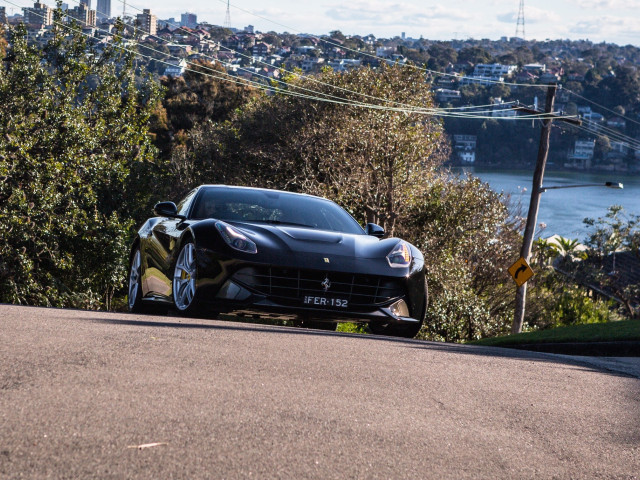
(224, 249)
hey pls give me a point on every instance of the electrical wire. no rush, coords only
(436, 110)
(359, 52)
(340, 100)
(602, 106)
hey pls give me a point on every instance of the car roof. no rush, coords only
(239, 187)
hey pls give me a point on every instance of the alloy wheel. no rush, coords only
(184, 278)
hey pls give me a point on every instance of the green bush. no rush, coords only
(73, 125)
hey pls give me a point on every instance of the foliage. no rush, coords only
(374, 162)
(559, 293)
(201, 94)
(72, 126)
(573, 306)
(385, 167)
(616, 235)
(3, 41)
(468, 237)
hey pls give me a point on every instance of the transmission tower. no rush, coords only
(227, 17)
(520, 24)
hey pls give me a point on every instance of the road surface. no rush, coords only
(110, 396)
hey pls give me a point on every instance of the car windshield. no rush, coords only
(273, 207)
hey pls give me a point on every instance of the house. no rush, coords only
(617, 122)
(582, 154)
(344, 64)
(493, 70)
(446, 82)
(311, 64)
(445, 95)
(503, 110)
(465, 147)
(260, 49)
(525, 77)
(535, 69)
(176, 67)
(385, 52)
(179, 50)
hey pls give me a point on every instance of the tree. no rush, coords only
(73, 126)
(203, 93)
(474, 55)
(3, 41)
(375, 162)
(615, 234)
(468, 237)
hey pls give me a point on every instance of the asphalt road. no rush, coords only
(79, 391)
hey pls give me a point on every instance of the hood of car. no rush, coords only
(309, 240)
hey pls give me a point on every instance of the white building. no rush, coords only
(493, 70)
(176, 67)
(147, 22)
(465, 147)
(582, 154)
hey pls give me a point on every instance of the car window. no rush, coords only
(273, 207)
(185, 203)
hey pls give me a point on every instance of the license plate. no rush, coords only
(325, 301)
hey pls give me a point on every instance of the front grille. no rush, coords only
(287, 286)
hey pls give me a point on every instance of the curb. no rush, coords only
(591, 349)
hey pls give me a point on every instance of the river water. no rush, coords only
(563, 210)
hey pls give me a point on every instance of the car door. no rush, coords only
(161, 250)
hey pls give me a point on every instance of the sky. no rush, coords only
(613, 21)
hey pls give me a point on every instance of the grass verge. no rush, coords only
(594, 332)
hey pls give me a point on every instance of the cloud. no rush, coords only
(608, 4)
(378, 13)
(532, 15)
(600, 26)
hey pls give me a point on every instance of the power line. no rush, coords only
(472, 114)
(367, 54)
(602, 106)
(407, 108)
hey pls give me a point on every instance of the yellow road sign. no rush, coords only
(520, 271)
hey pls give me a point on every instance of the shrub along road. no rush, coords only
(103, 395)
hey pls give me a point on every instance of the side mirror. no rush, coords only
(166, 209)
(374, 230)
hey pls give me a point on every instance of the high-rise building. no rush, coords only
(39, 15)
(103, 10)
(147, 22)
(3, 15)
(86, 3)
(188, 20)
(83, 14)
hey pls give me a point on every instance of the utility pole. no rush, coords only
(536, 191)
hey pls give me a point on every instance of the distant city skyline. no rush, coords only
(614, 21)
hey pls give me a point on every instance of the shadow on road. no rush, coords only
(597, 364)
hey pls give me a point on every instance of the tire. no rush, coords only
(185, 273)
(134, 297)
(405, 330)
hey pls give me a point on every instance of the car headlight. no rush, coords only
(235, 238)
(400, 256)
